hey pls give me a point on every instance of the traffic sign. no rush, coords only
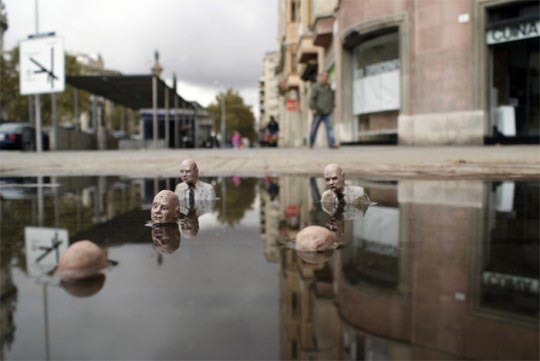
(43, 248)
(41, 65)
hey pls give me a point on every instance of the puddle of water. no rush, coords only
(435, 269)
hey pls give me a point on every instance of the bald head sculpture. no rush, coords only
(83, 259)
(315, 239)
(165, 208)
(334, 178)
(189, 172)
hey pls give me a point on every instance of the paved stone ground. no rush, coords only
(490, 162)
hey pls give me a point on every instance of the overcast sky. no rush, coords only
(208, 43)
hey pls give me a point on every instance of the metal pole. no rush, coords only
(122, 119)
(110, 115)
(37, 16)
(131, 122)
(176, 138)
(167, 131)
(54, 144)
(39, 146)
(154, 112)
(76, 109)
(223, 139)
(94, 113)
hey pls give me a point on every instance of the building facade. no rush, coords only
(413, 72)
(269, 90)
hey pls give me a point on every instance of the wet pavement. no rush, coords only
(435, 270)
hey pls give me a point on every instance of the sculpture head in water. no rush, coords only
(165, 207)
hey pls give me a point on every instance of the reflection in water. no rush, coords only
(235, 200)
(433, 270)
(85, 287)
(166, 238)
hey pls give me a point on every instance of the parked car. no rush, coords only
(21, 136)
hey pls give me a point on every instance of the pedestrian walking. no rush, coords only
(236, 139)
(322, 105)
(273, 129)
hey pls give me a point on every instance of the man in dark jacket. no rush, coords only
(322, 105)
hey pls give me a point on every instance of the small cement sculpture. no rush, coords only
(192, 190)
(85, 287)
(315, 239)
(166, 238)
(338, 191)
(315, 257)
(189, 224)
(82, 260)
(165, 208)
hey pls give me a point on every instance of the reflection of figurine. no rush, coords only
(83, 259)
(338, 191)
(165, 208)
(347, 212)
(84, 287)
(315, 239)
(315, 257)
(189, 224)
(191, 189)
(166, 238)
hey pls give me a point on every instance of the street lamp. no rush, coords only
(224, 140)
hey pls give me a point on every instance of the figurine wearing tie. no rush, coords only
(192, 190)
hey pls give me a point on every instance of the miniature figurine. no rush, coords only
(165, 208)
(191, 189)
(85, 287)
(189, 224)
(316, 239)
(338, 191)
(83, 259)
(166, 238)
(315, 257)
(347, 212)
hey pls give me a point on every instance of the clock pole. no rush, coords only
(39, 146)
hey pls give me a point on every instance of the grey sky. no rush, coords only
(208, 43)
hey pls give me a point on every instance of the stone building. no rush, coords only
(413, 72)
(269, 90)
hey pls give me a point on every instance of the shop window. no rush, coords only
(376, 79)
(509, 281)
(512, 35)
(374, 257)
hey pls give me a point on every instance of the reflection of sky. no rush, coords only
(215, 298)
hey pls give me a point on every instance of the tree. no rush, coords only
(237, 200)
(238, 115)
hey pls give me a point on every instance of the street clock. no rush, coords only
(41, 66)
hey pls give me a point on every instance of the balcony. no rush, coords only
(305, 50)
(323, 31)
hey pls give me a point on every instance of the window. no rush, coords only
(376, 79)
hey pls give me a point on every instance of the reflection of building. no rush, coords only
(435, 270)
(471, 77)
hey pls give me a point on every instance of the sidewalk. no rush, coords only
(493, 162)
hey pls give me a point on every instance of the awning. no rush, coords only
(132, 91)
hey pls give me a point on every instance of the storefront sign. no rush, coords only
(292, 105)
(510, 282)
(519, 31)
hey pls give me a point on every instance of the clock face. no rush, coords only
(42, 65)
